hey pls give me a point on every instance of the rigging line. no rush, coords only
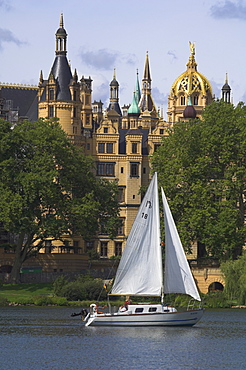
(109, 274)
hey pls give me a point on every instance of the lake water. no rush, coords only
(49, 338)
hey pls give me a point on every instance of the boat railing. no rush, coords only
(194, 304)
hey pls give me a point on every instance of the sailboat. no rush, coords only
(140, 271)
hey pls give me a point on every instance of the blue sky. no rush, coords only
(108, 34)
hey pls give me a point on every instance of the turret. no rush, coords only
(114, 95)
(226, 91)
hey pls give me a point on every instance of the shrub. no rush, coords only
(59, 301)
(59, 284)
(74, 291)
(24, 300)
(94, 290)
(217, 300)
(42, 300)
(3, 302)
(83, 288)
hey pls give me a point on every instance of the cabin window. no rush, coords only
(139, 309)
(152, 309)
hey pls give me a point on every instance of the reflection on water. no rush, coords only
(49, 338)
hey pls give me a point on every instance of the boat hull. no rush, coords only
(179, 318)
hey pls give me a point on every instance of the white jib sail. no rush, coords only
(178, 277)
(140, 270)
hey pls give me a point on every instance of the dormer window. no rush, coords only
(109, 147)
(134, 148)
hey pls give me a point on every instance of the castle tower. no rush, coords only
(114, 96)
(62, 95)
(226, 91)
(190, 84)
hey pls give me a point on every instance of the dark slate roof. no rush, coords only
(139, 131)
(115, 106)
(24, 100)
(226, 87)
(63, 75)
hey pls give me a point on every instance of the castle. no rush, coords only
(120, 139)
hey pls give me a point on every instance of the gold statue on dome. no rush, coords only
(192, 48)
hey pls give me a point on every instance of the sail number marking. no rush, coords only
(148, 205)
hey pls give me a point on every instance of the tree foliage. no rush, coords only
(235, 279)
(201, 166)
(48, 188)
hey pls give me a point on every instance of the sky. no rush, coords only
(108, 34)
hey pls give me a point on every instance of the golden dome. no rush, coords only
(191, 81)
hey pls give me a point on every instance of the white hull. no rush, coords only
(179, 318)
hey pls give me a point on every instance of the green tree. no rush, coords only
(48, 188)
(235, 279)
(201, 166)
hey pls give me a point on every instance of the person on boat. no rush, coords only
(125, 305)
(94, 307)
(128, 301)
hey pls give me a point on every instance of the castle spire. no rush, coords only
(61, 21)
(146, 101)
(61, 38)
(138, 91)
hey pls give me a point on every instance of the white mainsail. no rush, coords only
(140, 270)
(178, 277)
